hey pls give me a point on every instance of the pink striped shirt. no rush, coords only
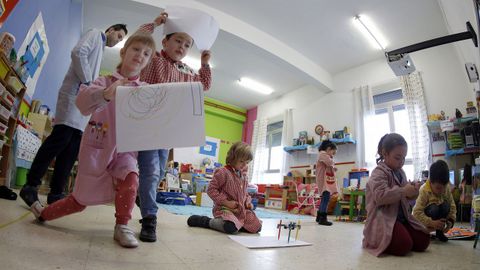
(163, 69)
(228, 185)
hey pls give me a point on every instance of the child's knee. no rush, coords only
(132, 180)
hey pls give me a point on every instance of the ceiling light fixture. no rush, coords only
(370, 31)
(255, 86)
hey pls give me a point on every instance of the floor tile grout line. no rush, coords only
(4, 225)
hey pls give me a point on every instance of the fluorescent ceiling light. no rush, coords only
(255, 86)
(370, 31)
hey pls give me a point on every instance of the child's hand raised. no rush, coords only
(109, 92)
(205, 57)
(161, 19)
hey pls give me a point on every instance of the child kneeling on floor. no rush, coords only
(435, 207)
(232, 210)
(103, 174)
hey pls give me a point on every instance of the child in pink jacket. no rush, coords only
(326, 181)
(232, 208)
(390, 227)
(103, 174)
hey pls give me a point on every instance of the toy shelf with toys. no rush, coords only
(461, 135)
(305, 146)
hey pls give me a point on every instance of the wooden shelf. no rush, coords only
(12, 121)
(305, 146)
(5, 104)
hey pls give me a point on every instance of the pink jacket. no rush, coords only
(384, 194)
(325, 166)
(227, 185)
(99, 164)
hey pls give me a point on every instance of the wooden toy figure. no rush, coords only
(290, 226)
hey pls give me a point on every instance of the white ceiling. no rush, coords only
(320, 30)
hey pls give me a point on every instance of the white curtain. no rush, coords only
(287, 138)
(260, 151)
(412, 88)
(364, 111)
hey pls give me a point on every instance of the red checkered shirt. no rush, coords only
(162, 69)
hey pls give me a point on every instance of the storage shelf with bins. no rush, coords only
(459, 124)
(12, 91)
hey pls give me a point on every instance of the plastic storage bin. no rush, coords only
(4, 112)
(9, 99)
(3, 69)
(15, 83)
(3, 128)
(21, 178)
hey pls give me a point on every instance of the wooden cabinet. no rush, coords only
(12, 91)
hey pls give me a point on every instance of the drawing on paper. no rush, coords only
(159, 116)
(147, 102)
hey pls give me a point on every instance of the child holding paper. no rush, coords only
(103, 174)
(165, 67)
(232, 208)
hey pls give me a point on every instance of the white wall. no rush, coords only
(442, 68)
(445, 81)
(444, 77)
(456, 14)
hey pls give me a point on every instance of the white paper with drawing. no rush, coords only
(159, 116)
(202, 27)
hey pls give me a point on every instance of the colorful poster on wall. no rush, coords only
(211, 147)
(34, 51)
(197, 155)
(6, 6)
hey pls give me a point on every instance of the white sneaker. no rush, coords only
(125, 236)
(37, 209)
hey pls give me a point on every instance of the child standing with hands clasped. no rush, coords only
(103, 174)
(326, 182)
(435, 206)
(390, 227)
(232, 208)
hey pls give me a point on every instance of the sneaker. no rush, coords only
(149, 226)
(198, 221)
(51, 198)
(125, 236)
(29, 194)
(37, 209)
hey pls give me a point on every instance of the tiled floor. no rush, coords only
(85, 241)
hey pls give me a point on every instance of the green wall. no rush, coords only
(225, 122)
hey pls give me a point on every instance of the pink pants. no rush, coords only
(125, 193)
(406, 239)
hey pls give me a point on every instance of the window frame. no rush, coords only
(269, 144)
(391, 119)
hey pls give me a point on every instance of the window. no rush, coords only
(390, 116)
(275, 153)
